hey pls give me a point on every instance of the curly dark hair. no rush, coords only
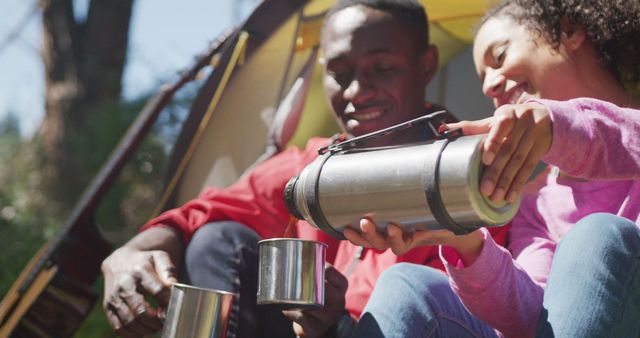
(613, 26)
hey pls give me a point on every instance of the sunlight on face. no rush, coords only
(374, 74)
(515, 64)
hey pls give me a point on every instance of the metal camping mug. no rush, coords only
(291, 273)
(423, 186)
(197, 313)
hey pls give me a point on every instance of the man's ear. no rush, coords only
(429, 63)
(573, 35)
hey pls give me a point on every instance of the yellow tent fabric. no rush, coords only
(457, 17)
(451, 21)
(237, 132)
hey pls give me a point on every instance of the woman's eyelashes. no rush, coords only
(499, 53)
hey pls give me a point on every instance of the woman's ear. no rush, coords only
(573, 35)
(429, 63)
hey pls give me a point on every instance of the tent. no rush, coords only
(262, 94)
(265, 91)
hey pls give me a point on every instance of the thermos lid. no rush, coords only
(289, 197)
(460, 172)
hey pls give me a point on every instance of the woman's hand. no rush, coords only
(400, 243)
(468, 246)
(518, 136)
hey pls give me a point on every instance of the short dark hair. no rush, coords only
(612, 26)
(410, 12)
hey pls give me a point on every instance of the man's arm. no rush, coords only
(144, 266)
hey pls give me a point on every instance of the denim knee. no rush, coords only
(399, 297)
(218, 238)
(425, 287)
(412, 274)
(603, 230)
(222, 256)
(411, 300)
(595, 270)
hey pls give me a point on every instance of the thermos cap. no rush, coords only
(289, 197)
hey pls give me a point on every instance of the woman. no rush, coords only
(555, 71)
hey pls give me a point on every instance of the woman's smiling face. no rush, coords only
(515, 63)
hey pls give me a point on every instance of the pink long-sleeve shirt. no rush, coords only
(593, 140)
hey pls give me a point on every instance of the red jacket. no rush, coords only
(256, 200)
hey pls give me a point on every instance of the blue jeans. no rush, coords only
(593, 291)
(414, 301)
(224, 256)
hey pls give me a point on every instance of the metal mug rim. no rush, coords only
(191, 287)
(287, 239)
(291, 304)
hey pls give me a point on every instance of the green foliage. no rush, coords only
(132, 200)
(18, 241)
(26, 222)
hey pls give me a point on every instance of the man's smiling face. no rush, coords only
(375, 73)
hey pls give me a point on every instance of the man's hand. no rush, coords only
(518, 136)
(314, 323)
(130, 274)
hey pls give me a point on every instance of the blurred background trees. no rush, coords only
(84, 63)
(42, 177)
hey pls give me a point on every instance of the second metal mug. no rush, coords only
(197, 313)
(291, 273)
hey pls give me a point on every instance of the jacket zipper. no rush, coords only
(356, 259)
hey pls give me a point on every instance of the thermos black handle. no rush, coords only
(427, 120)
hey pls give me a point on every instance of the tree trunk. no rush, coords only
(84, 62)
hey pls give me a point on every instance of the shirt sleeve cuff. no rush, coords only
(570, 130)
(182, 234)
(483, 265)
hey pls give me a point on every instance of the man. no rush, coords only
(377, 63)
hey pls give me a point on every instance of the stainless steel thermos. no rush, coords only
(431, 185)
